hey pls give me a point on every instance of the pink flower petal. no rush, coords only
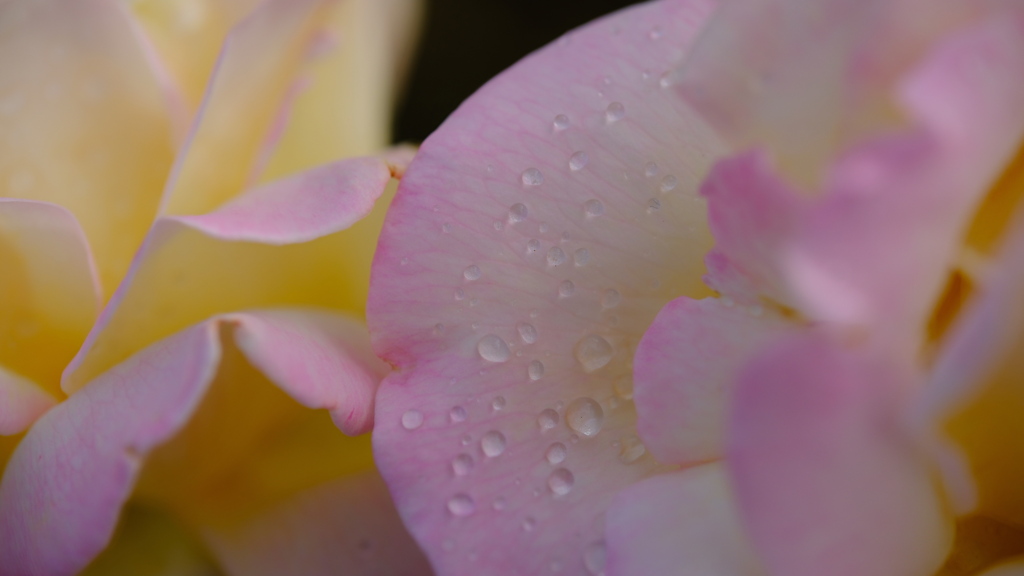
(826, 476)
(535, 237)
(64, 487)
(349, 527)
(684, 369)
(299, 247)
(679, 523)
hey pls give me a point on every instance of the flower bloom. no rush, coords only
(717, 289)
(236, 225)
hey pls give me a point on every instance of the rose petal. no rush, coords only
(84, 121)
(349, 526)
(300, 248)
(679, 523)
(64, 487)
(534, 238)
(1010, 568)
(827, 479)
(684, 368)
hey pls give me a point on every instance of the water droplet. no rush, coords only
(529, 524)
(466, 439)
(472, 272)
(499, 503)
(498, 403)
(460, 294)
(666, 80)
(651, 169)
(462, 464)
(595, 556)
(611, 298)
(624, 388)
(561, 122)
(547, 420)
(535, 370)
(632, 449)
(653, 205)
(566, 289)
(533, 246)
(556, 256)
(561, 481)
(655, 33)
(668, 183)
(527, 332)
(493, 349)
(492, 443)
(499, 225)
(461, 505)
(412, 419)
(581, 257)
(614, 112)
(578, 161)
(532, 177)
(446, 227)
(556, 453)
(438, 329)
(543, 228)
(517, 213)
(593, 352)
(585, 416)
(457, 414)
(593, 207)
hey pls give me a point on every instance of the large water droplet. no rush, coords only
(556, 453)
(578, 161)
(556, 256)
(593, 352)
(614, 112)
(593, 207)
(632, 449)
(595, 556)
(561, 122)
(462, 464)
(461, 505)
(651, 169)
(611, 298)
(412, 419)
(493, 349)
(561, 482)
(457, 414)
(533, 246)
(460, 294)
(566, 289)
(527, 332)
(668, 183)
(499, 403)
(472, 272)
(547, 420)
(517, 213)
(492, 443)
(535, 370)
(581, 257)
(532, 177)
(585, 416)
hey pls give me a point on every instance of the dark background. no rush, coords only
(467, 42)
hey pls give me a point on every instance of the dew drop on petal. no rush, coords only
(595, 556)
(623, 388)
(517, 213)
(446, 227)
(412, 419)
(499, 503)
(631, 449)
(493, 349)
(533, 246)
(532, 177)
(493, 443)
(561, 122)
(472, 272)
(578, 161)
(561, 482)
(593, 207)
(547, 420)
(556, 256)
(668, 183)
(611, 298)
(651, 169)
(593, 352)
(535, 370)
(499, 403)
(462, 464)
(461, 505)
(566, 289)
(529, 524)
(614, 112)
(581, 257)
(556, 453)
(457, 414)
(585, 416)
(653, 205)
(527, 332)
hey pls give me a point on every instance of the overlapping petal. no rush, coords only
(531, 242)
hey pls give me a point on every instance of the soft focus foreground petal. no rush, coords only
(826, 476)
(977, 395)
(64, 487)
(83, 121)
(679, 523)
(246, 106)
(289, 243)
(49, 298)
(533, 239)
(348, 526)
(1011, 568)
(684, 369)
(878, 249)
